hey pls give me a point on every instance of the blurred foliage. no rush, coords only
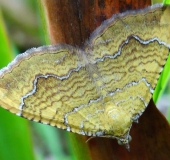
(23, 22)
(25, 30)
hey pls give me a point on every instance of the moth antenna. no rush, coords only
(89, 139)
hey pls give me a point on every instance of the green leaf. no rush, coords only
(165, 75)
(166, 2)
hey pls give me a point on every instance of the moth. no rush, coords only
(99, 89)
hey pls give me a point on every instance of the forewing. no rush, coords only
(130, 51)
(49, 85)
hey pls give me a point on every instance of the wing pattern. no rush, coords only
(98, 90)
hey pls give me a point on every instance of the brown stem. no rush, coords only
(71, 22)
